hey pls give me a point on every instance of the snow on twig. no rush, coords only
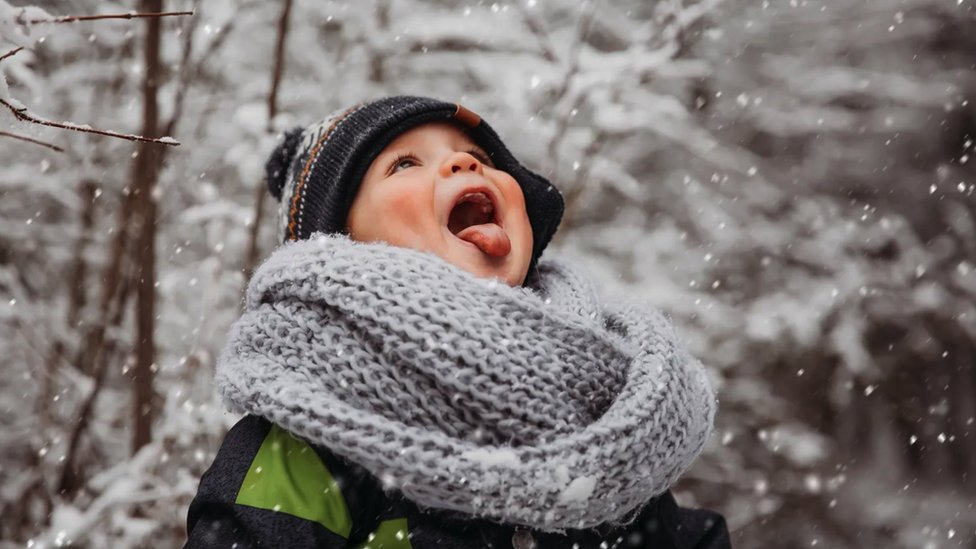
(76, 18)
(35, 16)
(21, 113)
(26, 116)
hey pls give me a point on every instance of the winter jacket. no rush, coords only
(267, 488)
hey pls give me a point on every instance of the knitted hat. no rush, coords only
(315, 172)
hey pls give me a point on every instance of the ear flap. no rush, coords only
(276, 169)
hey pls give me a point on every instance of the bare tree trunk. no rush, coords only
(76, 302)
(79, 268)
(145, 173)
(279, 62)
(91, 349)
(261, 193)
(71, 476)
(964, 411)
(377, 71)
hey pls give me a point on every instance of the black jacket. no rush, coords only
(267, 488)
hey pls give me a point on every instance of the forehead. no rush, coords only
(432, 133)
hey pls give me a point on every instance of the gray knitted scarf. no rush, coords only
(533, 405)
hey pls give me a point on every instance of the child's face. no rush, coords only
(433, 189)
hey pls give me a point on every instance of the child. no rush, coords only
(415, 377)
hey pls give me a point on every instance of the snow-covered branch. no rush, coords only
(77, 18)
(22, 114)
(14, 22)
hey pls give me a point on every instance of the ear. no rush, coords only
(276, 169)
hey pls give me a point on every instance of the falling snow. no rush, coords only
(792, 181)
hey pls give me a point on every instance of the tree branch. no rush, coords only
(76, 18)
(24, 115)
(31, 140)
(10, 53)
(261, 191)
(183, 80)
(191, 71)
(279, 63)
(94, 359)
(538, 30)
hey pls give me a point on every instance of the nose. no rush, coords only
(461, 161)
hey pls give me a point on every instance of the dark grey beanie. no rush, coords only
(316, 171)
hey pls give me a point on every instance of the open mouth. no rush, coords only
(473, 208)
(475, 219)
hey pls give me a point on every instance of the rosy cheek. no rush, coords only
(405, 208)
(513, 192)
(401, 201)
(515, 202)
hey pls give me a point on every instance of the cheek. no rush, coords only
(522, 229)
(387, 215)
(516, 201)
(405, 207)
(512, 191)
(403, 201)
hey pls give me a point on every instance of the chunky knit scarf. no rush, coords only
(533, 405)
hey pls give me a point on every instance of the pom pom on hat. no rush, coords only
(276, 168)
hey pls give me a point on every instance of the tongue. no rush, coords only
(488, 237)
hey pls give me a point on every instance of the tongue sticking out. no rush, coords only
(473, 220)
(488, 237)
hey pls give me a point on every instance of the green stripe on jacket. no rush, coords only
(390, 534)
(287, 476)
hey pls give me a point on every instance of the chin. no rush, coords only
(476, 262)
(483, 269)
(508, 275)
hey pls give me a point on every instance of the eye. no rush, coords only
(482, 157)
(402, 162)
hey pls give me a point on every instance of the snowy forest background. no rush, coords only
(791, 179)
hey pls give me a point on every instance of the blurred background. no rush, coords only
(792, 180)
